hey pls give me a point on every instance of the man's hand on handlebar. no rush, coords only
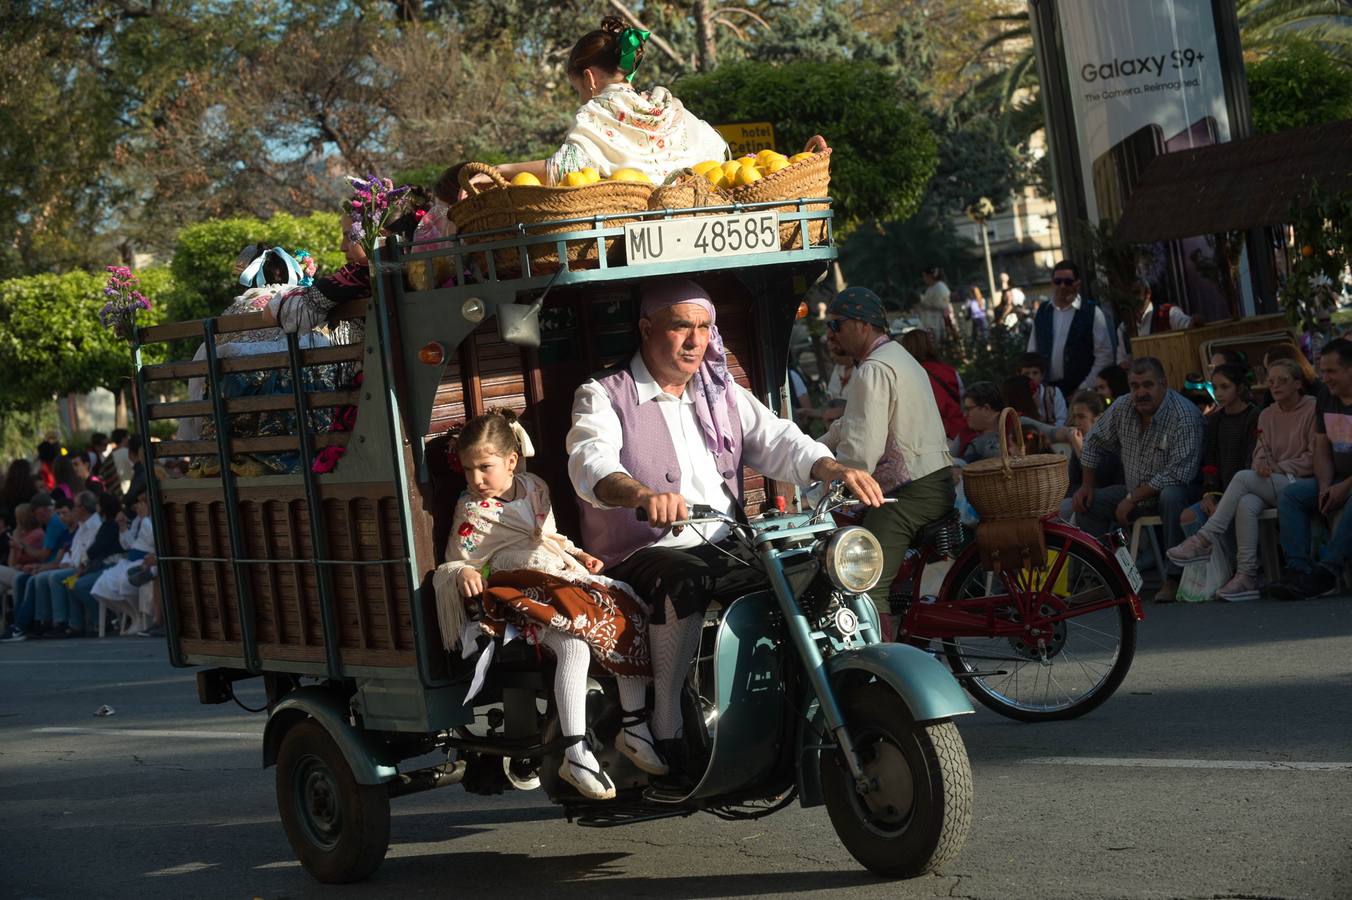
(661, 510)
(859, 482)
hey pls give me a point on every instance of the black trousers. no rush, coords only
(690, 576)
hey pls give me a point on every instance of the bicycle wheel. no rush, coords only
(1075, 664)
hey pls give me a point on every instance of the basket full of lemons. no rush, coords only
(763, 177)
(503, 209)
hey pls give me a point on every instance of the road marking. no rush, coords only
(156, 733)
(1146, 763)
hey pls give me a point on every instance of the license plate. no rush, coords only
(700, 237)
(1129, 569)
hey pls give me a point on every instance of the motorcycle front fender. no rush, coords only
(329, 710)
(924, 684)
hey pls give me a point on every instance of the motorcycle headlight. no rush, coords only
(854, 559)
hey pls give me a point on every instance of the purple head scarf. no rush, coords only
(715, 401)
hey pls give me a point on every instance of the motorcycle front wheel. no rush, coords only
(918, 809)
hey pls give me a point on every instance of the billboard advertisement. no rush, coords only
(1131, 80)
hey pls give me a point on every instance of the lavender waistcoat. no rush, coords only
(649, 456)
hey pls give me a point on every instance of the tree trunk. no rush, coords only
(706, 50)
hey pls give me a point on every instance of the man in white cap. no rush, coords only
(672, 427)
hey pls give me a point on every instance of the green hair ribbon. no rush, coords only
(631, 39)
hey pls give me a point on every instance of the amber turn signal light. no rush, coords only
(433, 353)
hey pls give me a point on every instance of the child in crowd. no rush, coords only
(1228, 441)
(1309, 379)
(1018, 392)
(982, 405)
(1050, 402)
(545, 585)
(1111, 383)
(1284, 453)
(1086, 408)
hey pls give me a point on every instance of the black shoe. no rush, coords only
(677, 784)
(60, 632)
(1303, 585)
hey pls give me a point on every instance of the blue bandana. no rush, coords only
(859, 303)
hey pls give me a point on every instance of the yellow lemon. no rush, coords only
(701, 168)
(799, 157)
(774, 165)
(732, 167)
(525, 178)
(630, 175)
(576, 179)
(746, 176)
(763, 157)
(714, 175)
(593, 176)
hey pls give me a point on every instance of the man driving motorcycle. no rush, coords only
(672, 425)
(891, 427)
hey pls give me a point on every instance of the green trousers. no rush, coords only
(895, 525)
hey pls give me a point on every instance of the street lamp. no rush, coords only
(979, 212)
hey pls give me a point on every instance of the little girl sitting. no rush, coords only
(545, 585)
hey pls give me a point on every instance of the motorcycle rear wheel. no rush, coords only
(1085, 662)
(919, 811)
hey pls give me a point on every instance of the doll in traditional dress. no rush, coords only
(548, 588)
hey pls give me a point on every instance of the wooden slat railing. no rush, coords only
(353, 309)
(268, 403)
(316, 357)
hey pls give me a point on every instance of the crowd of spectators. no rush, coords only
(76, 540)
(1210, 458)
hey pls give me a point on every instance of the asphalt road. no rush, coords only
(1223, 768)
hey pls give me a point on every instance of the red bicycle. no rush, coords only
(1036, 644)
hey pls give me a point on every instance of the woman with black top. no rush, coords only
(1227, 443)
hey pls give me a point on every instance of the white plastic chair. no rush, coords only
(1148, 523)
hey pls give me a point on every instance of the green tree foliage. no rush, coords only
(887, 257)
(1298, 85)
(51, 341)
(205, 253)
(883, 151)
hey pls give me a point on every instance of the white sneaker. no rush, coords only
(636, 742)
(591, 783)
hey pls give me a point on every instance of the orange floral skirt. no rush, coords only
(612, 622)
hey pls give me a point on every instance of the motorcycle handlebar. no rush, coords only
(696, 511)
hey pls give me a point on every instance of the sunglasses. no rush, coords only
(834, 325)
(1063, 282)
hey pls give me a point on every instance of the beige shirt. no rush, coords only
(891, 426)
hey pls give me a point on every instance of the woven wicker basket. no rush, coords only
(1016, 486)
(503, 207)
(687, 191)
(808, 178)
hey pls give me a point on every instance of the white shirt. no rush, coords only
(80, 544)
(1178, 320)
(770, 445)
(1056, 358)
(139, 535)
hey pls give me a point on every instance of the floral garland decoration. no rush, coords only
(123, 301)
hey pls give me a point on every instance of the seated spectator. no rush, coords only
(1048, 401)
(1158, 437)
(982, 405)
(115, 587)
(52, 600)
(1146, 319)
(1283, 454)
(1086, 408)
(18, 485)
(945, 381)
(25, 546)
(1309, 379)
(94, 453)
(1231, 433)
(70, 473)
(82, 615)
(1111, 383)
(48, 453)
(1326, 494)
(32, 609)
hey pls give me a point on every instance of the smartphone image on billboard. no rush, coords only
(1118, 170)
